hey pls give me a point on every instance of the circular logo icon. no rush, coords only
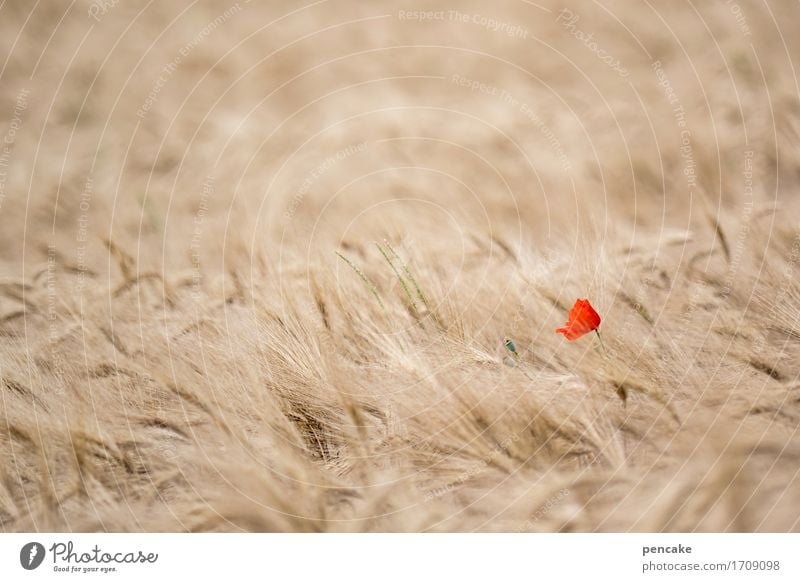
(31, 555)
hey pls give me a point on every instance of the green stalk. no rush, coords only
(597, 331)
(364, 278)
(397, 274)
(410, 277)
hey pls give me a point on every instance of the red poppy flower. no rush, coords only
(582, 319)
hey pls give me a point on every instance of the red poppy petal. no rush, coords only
(582, 320)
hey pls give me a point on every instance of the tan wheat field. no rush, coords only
(258, 262)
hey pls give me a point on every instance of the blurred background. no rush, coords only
(541, 122)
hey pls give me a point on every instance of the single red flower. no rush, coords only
(582, 319)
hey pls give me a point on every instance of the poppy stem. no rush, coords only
(602, 345)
